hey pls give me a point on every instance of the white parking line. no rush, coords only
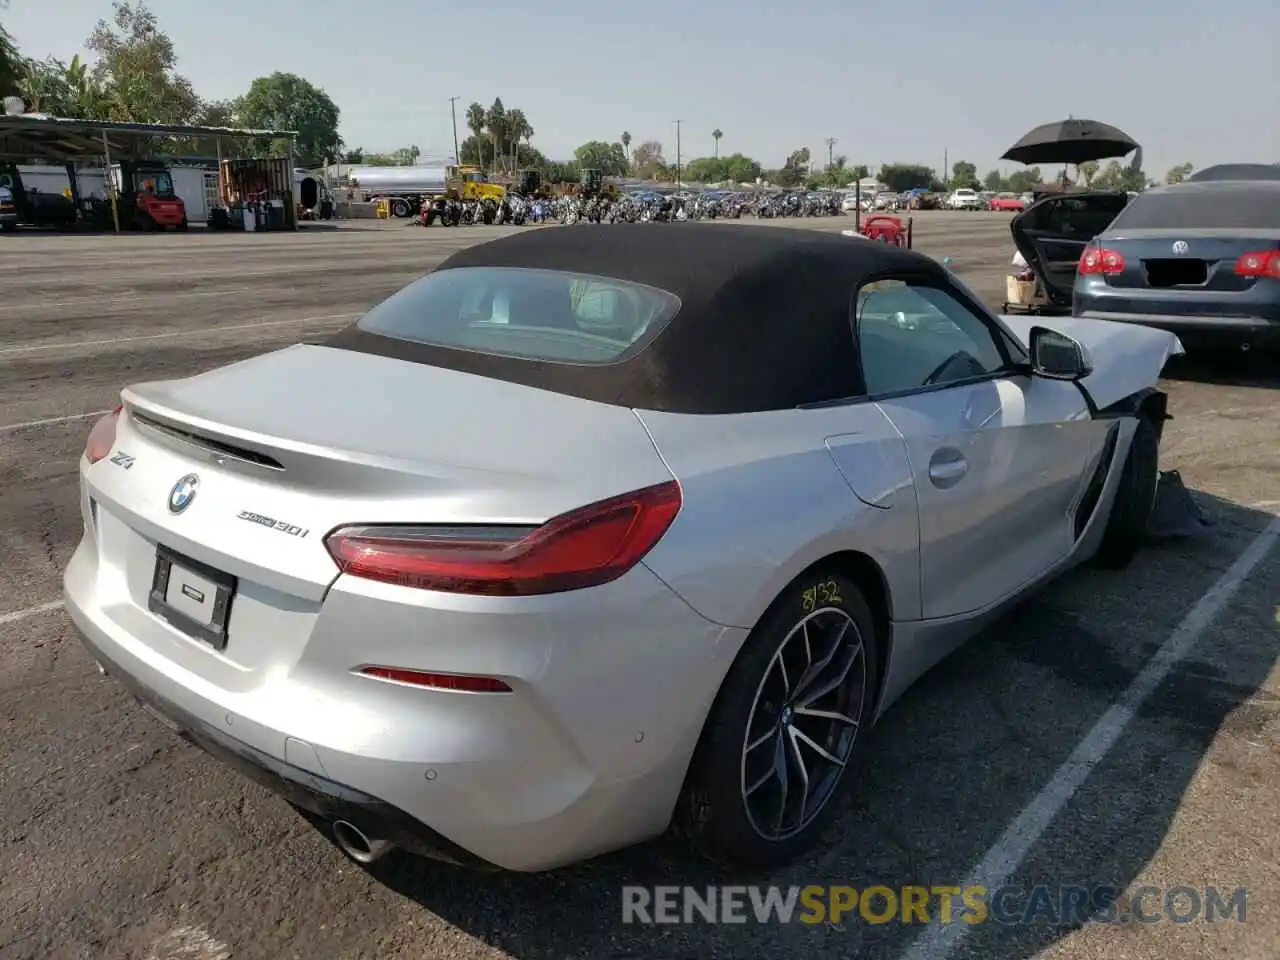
(17, 615)
(48, 420)
(1002, 860)
(6, 351)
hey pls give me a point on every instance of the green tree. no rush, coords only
(625, 140)
(475, 120)
(495, 124)
(64, 89)
(1023, 181)
(609, 158)
(1119, 177)
(837, 173)
(285, 101)
(137, 68)
(735, 167)
(995, 181)
(716, 134)
(646, 160)
(1179, 173)
(518, 129)
(354, 157)
(12, 66)
(794, 170)
(407, 156)
(964, 176)
(901, 177)
(859, 171)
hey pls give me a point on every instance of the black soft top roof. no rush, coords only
(764, 321)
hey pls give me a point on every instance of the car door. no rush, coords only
(1052, 234)
(999, 458)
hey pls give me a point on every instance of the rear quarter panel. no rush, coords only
(764, 499)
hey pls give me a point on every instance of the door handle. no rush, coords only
(947, 468)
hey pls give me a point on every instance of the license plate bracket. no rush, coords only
(192, 596)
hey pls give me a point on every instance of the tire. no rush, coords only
(182, 226)
(399, 208)
(1135, 499)
(714, 813)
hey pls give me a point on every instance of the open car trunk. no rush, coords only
(1052, 233)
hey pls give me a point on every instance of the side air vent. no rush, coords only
(1089, 502)
(231, 451)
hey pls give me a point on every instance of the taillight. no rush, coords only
(1262, 263)
(1100, 260)
(582, 548)
(102, 437)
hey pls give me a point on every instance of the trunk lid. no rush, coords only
(1185, 260)
(291, 444)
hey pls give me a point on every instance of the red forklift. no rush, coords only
(145, 198)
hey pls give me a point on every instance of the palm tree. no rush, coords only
(12, 66)
(475, 123)
(716, 134)
(517, 129)
(495, 122)
(626, 145)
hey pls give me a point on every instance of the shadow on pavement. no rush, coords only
(946, 771)
(1233, 368)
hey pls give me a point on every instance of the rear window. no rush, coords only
(1192, 207)
(533, 314)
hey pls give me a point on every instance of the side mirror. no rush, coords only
(1058, 357)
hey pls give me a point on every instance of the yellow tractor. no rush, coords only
(591, 184)
(469, 182)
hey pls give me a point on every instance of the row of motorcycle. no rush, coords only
(627, 208)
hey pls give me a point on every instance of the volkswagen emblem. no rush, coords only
(1180, 247)
(183, 492)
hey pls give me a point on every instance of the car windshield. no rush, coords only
(1226, 207)
(533, 314)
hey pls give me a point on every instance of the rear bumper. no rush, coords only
(586, 755)
(1201, 330)
(318, 795)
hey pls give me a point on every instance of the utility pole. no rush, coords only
(677, 123)
(946, 170)
(453, 110)
(831, 145)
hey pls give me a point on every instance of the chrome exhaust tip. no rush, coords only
(352, 841)
(1244, 347)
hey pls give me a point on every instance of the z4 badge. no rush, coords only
(122, 460)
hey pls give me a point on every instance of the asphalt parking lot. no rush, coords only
(119, 840)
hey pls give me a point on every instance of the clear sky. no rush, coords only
(1191, 82)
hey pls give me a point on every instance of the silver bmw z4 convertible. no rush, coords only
(600, 531)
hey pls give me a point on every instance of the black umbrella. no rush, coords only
(1071, 141)
(1238, 171)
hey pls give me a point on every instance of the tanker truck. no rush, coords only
(406, 188)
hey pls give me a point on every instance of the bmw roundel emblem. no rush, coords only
(183, 492)
(1180, 247)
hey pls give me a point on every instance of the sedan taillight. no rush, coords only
(1100, 260)
(102, 437)
(1262, 263)
(582, 548)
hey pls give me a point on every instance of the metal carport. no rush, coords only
(35, 136)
